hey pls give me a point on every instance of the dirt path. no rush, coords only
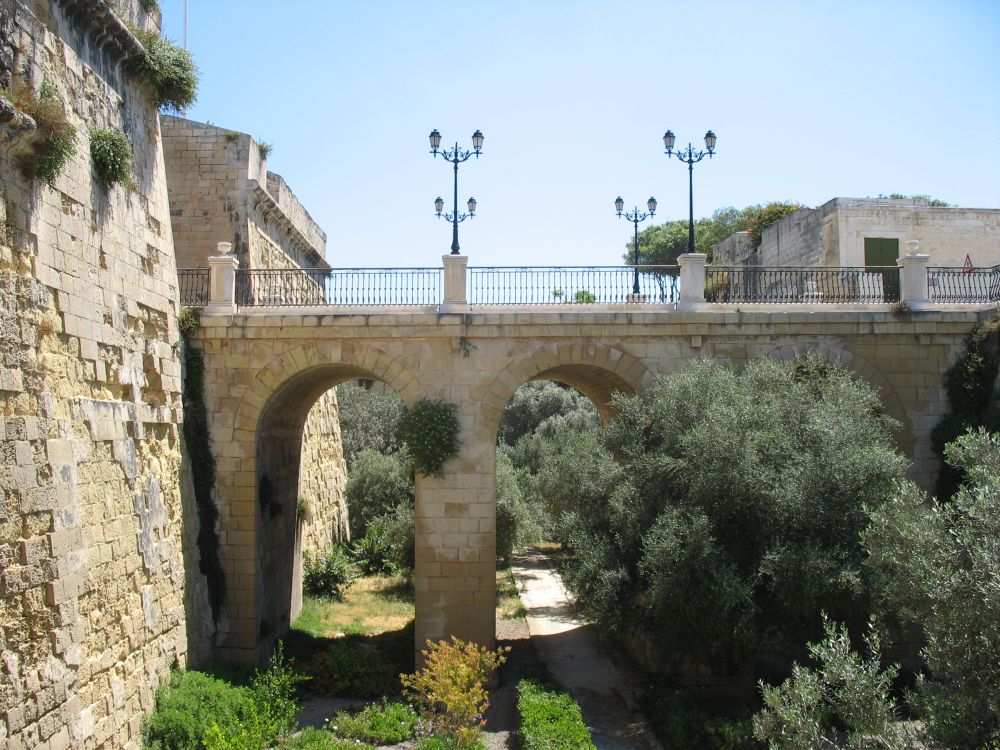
(605, 689)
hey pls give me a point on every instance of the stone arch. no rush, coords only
(866, 371)
(596, 370)
(269, 424)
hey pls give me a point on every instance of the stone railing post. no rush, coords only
(913, 277)
(692, 280)
(455, 297)
(222, 282)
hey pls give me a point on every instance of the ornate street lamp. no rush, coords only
(635, 217)
(690, 157)
(456, 156)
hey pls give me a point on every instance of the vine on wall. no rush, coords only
(202, 463)
(430, 431)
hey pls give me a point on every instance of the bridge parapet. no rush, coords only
(691, 285)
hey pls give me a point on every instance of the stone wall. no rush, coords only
(220, 191)
(92, 560)
(322, 477)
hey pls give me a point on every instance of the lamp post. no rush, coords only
(456, 156)
(690, 157)
(635, 217)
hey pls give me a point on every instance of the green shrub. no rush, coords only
(186, 708)
(368, 419)
(387, 548)
(171, 70)
(328, 574)
(111, 154)
(517, 520)
(54, 139)
(679, 721)
(383, 723)
(450, 743)
(350, 669)
(550, 718)
(318, 739)
(268, 714)
(376, 485)
(430, 431)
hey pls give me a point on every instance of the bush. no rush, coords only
(171, 70)
(537, 401)
(550, 719)
(518, 521)
(187, 707)
(383, 723)
(350, 669)
(449, 691)
(939, 566)
(387, 548)
(328, 575)
(376, 485)
(844, 702)
(55, 139)
(430, 432)
(318, 739)
(111, 154)
(267, 715)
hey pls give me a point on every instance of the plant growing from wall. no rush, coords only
(54, 142)
(111, 154)
(199, 451)
(430, 431)
(973, 397)
(770, 214)
(171, 70)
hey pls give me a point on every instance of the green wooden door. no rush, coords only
(881, 252)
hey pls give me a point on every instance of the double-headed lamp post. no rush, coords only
(635, 217)
(456, 156)
(690, 157)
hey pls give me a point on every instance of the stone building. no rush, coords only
(858, 232)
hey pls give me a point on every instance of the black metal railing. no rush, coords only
(193, 283)
(298, 287)
(572, 285)
(963, 285)
(750, 284)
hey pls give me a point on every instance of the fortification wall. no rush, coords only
(92, 560)
(322, 477)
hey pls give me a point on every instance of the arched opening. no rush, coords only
(301, 482)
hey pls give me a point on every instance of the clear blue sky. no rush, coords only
(810, 100)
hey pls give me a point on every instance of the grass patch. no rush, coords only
(383, 723)
(318, 739)
(509, 604)
(550, 718)
(359, 646)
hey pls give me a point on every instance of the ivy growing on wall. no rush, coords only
(111, 154)
(973, 397)
(430, 431)
(202, 463)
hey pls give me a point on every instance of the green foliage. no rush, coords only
(376, 485)
(368, 419)
(111, 154)
(582, 296)
(328, 575)
(318, 739)
(383, 723)
(940, 566)
(54, 142)
(764, 216)
(449, 691)
(387, 548)
(188, 321)
(660, 244)
(150, 6)
(430, 431)
(734, 507)
(449, 743)
(199, 451)
(973, 397)
(348, 668)
(844, 702)
(171, 71)
(680, 722)
(268, 714)
(550, 718)
(933, 202)
(537, 401)
(518, 521)
(187, 707)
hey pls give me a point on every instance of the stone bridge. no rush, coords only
(266, 366)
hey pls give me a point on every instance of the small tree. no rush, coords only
(376, 485)
(368, 419)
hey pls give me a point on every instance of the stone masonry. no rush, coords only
(93, 535)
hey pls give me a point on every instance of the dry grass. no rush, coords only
(371, 606)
